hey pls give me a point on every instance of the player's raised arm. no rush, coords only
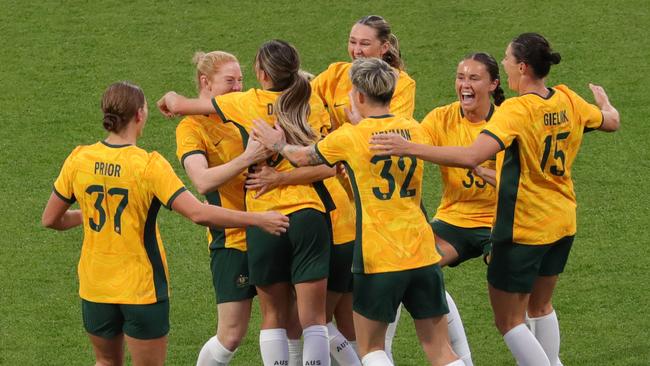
(611, 118)
(172, 104)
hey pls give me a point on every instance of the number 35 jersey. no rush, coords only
(541, 137)
(467, 200)
(392, 230)
(120, 189)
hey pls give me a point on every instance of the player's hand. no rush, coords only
(263, 179)
(273, 222)
(256, 152)
(353, 112)
(271, 137)
(599, 95)
(389, 144)
(163, 104)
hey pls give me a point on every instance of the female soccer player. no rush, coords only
(540, 131)
(214, 158)
(395, 259)
(370, 36)
(464, 218)
(123, 269)
(301, 257)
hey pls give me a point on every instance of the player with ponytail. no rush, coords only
(299, 259)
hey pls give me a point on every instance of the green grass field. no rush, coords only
(57, 57)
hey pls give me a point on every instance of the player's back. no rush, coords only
(119, 189)
(395, 234)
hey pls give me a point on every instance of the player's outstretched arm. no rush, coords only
(274, 139)
(611, 118)
(457, 156)
(265, 178)
(57, 215)
(208, 215)
(207, 179)
(172, 105)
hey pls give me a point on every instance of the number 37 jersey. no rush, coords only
(120, 189)
(541, 137)
(392, 230)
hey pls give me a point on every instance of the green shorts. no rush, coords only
(514, 267)
(340, 278)
(422, 291)
(230, 275)
(137, 321)
(301, 254)
(468, 242)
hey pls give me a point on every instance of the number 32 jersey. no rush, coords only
(392, 230)
(120, 189)
(541, 137)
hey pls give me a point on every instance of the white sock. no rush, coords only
(316, 349)
(458, 362)
(340, 349)
(354, 347)
(213, 353)
(376, 358)
(295, 352)
(390, 334)
(547, 331)
(457, 336)
(274, 347)
(525, 348)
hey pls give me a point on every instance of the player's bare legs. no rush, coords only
(432, 333)
(542, 319)
(108, 352)
(147, 352)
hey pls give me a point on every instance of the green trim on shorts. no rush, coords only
(468, 242)
(340, 276)
(514, 267)
(422, 291)
(301, 254)
(148, 321)
(230, 278)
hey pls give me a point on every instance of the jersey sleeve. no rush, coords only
(334, 147)
(162, 180)
(503, 124)
(189, 141)
(224, 105)
(403, 101)
(63, 184)
(590, 115)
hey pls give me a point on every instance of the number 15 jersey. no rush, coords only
(392, 230)
(541, 137)
(120, 189)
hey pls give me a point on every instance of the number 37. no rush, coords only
(117, 219)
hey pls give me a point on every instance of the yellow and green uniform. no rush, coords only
(334, 84)
(392, 231)
(240, 109)
(541, 136)
(120, 189)
(467, 200)
(220, 143)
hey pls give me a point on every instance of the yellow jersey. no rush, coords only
(334, 84)
(220, 143)
(392, 230)
(541, 136)
(240, 108)
(467, 200)
(120, 189)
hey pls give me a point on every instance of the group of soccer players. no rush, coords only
(314, 191)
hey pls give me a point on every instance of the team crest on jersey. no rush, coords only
(242, 281)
